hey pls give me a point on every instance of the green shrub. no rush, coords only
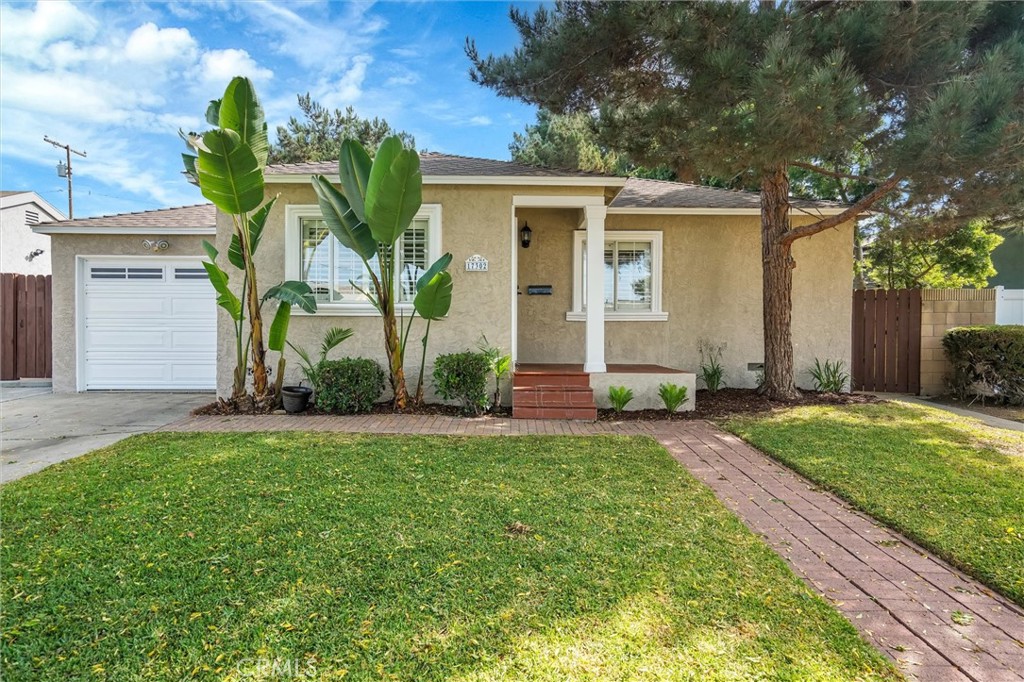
(712, 373)
(830, 377)
(987, 362)
(672, 395)
(463, 377)
(349, 385)
(619, 397)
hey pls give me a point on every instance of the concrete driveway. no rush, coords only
(40, 428)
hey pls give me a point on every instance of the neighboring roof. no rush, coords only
(10, 199)
(665, 196)
(197, 219)
(440, 168)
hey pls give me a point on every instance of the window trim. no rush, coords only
(293, 214)
(656, 313)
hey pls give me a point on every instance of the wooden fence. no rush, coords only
(25, 327)
(887, 340)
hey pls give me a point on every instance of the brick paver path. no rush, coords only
(899, 596)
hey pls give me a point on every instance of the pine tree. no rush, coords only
(319, 135)
(931, 92)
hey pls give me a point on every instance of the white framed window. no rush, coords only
(336, 274)
(632, 276)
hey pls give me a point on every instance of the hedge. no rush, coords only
(348, 386)
(988, 361)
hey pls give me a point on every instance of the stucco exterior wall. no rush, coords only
(711, 288)
(17, 240)
(476, 220)
(65, 247)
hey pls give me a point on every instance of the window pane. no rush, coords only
(633, 276)
(412, 259)
(609, 276)
(316, 257)
(348, 271)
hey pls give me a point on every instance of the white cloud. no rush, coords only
(480, 121)
(220, 66)
(25, 33)
(346, 90)
(149, 44)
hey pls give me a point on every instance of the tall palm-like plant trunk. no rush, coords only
(396, 363)
(777, 279)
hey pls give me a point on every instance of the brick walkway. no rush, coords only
(901, 598)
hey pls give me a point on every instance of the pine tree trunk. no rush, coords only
(777, 283)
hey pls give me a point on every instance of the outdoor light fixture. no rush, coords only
(155, 245)
(525, 235)
(35, 254)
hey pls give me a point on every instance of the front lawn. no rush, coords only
(954, 485)
(173, 556)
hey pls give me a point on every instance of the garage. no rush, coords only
(146, 323)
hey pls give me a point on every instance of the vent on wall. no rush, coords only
(126, 273)
(31, 217)
(190, 273)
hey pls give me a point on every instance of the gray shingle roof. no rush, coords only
(432, 163)
(643, 193)
(197, 216)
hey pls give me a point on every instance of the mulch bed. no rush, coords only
(728, 402)
(725, 403)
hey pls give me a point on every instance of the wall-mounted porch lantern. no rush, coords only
(525, 235)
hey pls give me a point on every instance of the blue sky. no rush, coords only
(119, 79)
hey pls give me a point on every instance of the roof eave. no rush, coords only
(641, 210)
(43, 228)
(518, 180)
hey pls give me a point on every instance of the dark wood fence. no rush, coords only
(887, 340)
(25, 327)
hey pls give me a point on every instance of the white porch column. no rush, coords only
(594, 217)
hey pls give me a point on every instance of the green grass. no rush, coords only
(954, 485)
(175, 556)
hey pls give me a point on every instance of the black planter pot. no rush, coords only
(295, 398)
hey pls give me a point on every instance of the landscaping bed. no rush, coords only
(949, 483)
(728, 402)
(203, 556)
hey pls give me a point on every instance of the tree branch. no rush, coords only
(833, 174)
(839, 218)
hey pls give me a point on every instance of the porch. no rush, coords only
(567, 391)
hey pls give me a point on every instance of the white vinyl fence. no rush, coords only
(1009, 306)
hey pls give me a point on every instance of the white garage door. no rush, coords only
(147, 323)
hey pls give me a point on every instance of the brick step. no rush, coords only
(546, 378)
(578, 413)
(553, 396)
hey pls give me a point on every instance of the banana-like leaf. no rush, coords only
(434, 300)
(395, 191)
(293, 293)
(213, 112)
(354, 169)
(257, 221)
(229, 174)
(235, 253)
(440, 264)
(332, 338)
(226, 298)
(279, 327)
(241, 112)
(190, 168)
(211, 250)
(342, 221)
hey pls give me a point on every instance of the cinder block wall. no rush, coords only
(941, 310)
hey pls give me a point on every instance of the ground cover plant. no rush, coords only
(951, 484)
(196, 556)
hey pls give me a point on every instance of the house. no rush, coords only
(680, 262)
(1008, 261)
(24, 251)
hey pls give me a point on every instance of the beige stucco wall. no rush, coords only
(711, 288)
(941, 310)
(65, 247)
(475, 220)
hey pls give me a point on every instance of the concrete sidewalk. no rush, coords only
(38, 429)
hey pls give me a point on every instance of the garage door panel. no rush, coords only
(152, 332)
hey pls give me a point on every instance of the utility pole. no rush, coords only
(65, 171)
